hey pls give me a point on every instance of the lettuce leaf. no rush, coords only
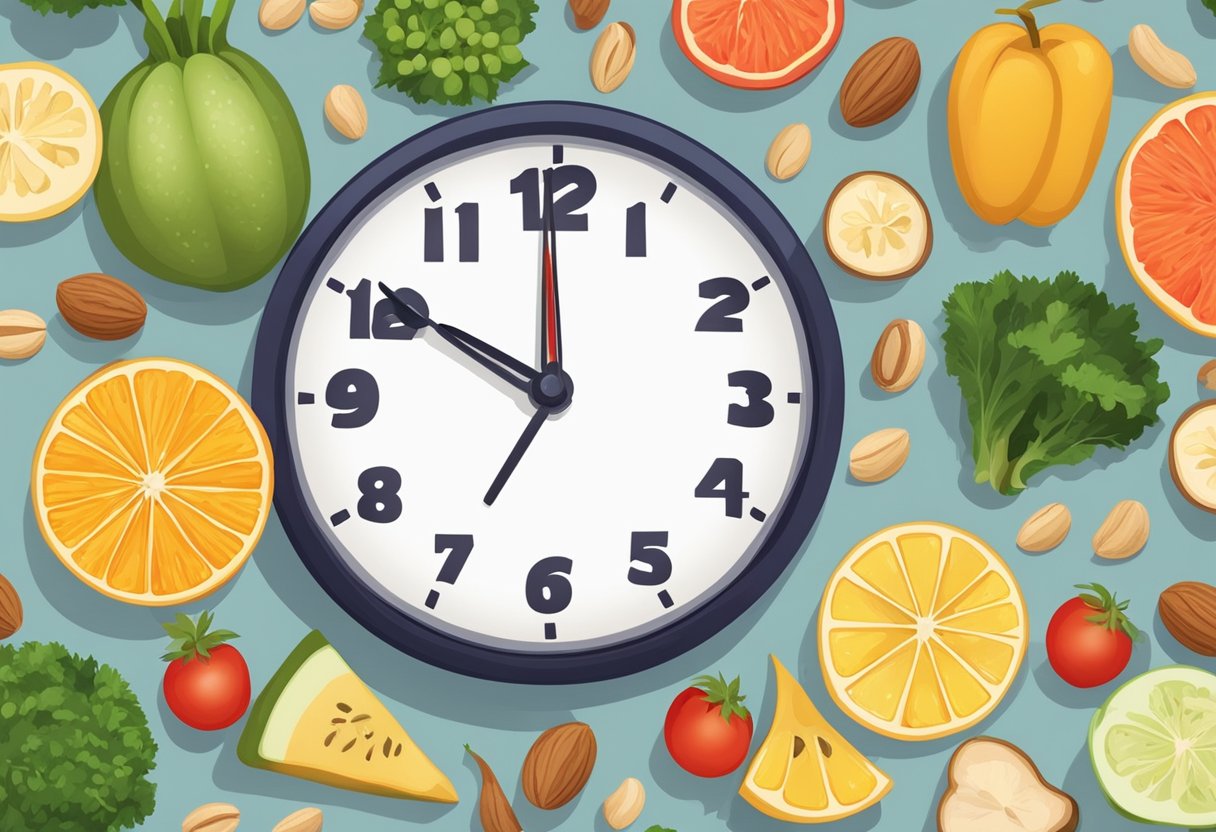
(1050, 371)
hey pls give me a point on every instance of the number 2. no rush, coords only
(720, 316)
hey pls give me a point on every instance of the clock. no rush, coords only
(555, 394)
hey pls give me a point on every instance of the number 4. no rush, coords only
(724, 480)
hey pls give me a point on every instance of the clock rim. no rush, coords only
(810, 484)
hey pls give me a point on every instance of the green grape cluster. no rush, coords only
(449, 51)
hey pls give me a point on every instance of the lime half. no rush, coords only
(1153, 746)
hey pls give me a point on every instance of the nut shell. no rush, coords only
(11, 613)
(613, 55)
(588, 13)
(22, 334)
(789, 151)
(898, 356)
(277, 15)
(335, 14)
(880, 455)
(1124, 531)
(624, 805)
(1045, 529)
(558, 765)
(346, 112)
(1164, 65)
(101, 307)
(880, 83)
(1188, 611)
(311, 819)
(213, 817)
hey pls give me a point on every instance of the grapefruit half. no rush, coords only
(1165, 199)
(757, 44)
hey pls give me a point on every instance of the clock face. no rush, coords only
(693, 399)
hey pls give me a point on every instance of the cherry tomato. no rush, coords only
(708, 731)
(207, 681)
(1089, 639)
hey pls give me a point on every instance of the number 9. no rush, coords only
(355, 392)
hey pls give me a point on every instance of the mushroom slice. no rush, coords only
(995, 787)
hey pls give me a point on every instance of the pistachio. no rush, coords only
(213, 817)
(277, 15)
(625, 804)
(1124, 531)
(1159, 62)
(898, 356)
(22, 334)
(880, 455)
(335, 14)
(789, 151)
(345, 110)
(613, 55)
(1045, 529)
(305, 820)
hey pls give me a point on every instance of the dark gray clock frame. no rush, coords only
(788, 532)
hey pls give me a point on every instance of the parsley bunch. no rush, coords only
(74, 742)
(448, 52)
(69, 7)
(1050, 370)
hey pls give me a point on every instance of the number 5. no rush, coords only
(645, 550)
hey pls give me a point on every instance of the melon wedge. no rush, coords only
(318, 721)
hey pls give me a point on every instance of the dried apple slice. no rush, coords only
(995, 787)
(876, 226)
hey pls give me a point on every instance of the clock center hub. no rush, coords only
(552, 389)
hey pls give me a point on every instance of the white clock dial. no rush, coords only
(633, 506)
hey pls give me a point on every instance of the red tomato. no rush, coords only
(207, 681)
(708, 731)
(1089, 639)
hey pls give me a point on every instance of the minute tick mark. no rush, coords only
(760, 283)
(668, 192)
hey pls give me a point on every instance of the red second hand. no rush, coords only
(550, 309)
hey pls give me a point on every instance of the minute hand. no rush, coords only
(510, 369)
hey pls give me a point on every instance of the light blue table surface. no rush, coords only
(274, 602)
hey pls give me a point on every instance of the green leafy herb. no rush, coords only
(1050, 370)
(1211, 4)
(449, 52)
(194, 639)
(75, 744)
(1110, 611)
(724, 694)
(69, 7)
(657, 828)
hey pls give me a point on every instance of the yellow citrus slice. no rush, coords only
(805, 772)
(921, 631)
(50, 141)
(152, 481)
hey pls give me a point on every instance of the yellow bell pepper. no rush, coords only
(1028, 111)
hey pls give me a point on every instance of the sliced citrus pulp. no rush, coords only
(50, 141)
(1165, 200)
(757, 44)
(921, 631)
(805, 771)
(1153, 747)
(152, 481)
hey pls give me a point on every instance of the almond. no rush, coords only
(335, 14)
(305, 820)
(101, 306)
(22, 334)
(277, 15)
(613, 56)
(898, 356)
(1159, 62)
(1045, 529)
(11, 615)
(558, 765)
(1188, 611)
(880, 455)
(789, 151)
(213, 817)
(1206, 375)
(625, 804)
(1124, 531)
(346, 112)
(588, 13)
(880, 83)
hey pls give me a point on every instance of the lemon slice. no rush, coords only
(50, 141)
(876, 226)
(921, 631)
(1193, 455)
(806, 772)
(1153, 747)
(152, 481)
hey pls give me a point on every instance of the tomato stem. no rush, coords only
(724, 694)
(1110, 611)
(194, 639)
(1025, 13)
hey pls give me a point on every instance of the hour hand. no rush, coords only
(508, 368)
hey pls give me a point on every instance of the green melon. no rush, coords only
(1153, 747)
(318, 721)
